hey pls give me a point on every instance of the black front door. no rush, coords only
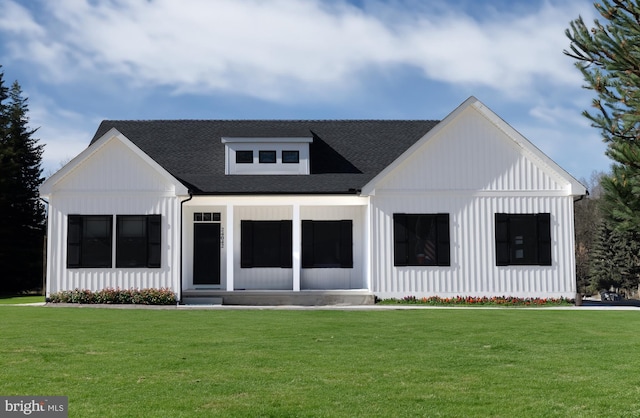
(206, 253)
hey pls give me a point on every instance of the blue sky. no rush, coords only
(83, 61)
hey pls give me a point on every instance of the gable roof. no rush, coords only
(47, 187)
(573, 186)
(344, 155)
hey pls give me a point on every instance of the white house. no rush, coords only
(269, 211)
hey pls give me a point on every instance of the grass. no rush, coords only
(13, 299)
(440, 362)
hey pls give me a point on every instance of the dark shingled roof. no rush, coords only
(344, 155)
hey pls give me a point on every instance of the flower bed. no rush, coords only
(160, 296)
(478, 301)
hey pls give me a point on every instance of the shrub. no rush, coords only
(162, 296)
(477, 301)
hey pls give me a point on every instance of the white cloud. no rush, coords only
(66, 132)
(16, 19)
(286, 48)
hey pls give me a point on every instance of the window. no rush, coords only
(89, 241)
(138, 241)
(421, 240)
(206, 217)
(244, 157)
(327, 244)
(290, 157)
(267, 157)
(523, 239)
(265, 244)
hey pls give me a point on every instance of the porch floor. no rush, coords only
(278, 297)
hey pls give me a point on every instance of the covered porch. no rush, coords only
(218, 260)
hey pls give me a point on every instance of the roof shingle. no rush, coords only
(345, 154)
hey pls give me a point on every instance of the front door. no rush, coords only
(206, 253)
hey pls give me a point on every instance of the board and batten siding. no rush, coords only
(471, 169)
(114, 181)
(337, 278)
(473, 270)
(310, 278)
(259, 278)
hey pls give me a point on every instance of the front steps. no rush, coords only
(278, 297)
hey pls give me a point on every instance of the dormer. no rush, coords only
(266, 156)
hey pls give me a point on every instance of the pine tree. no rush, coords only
(22, 220)
(608, 55)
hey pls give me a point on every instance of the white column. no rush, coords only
(368, 245)
(296, 247)
(229, 244)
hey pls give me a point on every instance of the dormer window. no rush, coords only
(267, 156)
(290, 157)
(244, 157)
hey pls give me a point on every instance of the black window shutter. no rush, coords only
(544, 239)
(346, 244)
(286, 249)
(246, 244)
(74, 239)
(154, 241)
(502, 239)
(400, 240)
(307, 244)
(443, 244)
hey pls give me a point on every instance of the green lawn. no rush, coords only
(437, 362)
(13, 300)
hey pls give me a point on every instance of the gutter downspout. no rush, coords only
(45, 248)
(582, 196)
(181, 241)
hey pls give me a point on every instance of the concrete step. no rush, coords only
(202, 300)
(278, 297)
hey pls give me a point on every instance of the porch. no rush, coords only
(278, 297)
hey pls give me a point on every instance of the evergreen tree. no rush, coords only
(22, 220)
(586, 215)
(614, 262)
(608, 55)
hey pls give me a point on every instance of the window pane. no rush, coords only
(95, 246)
(416, 240)
(327, 244)
(267, 157)
(290, 157)
(131, 241)
(262, 244)
(97, 227)
(523, 239)
(132, 226)
(244, 157)
(266, 244)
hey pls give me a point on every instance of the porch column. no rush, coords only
(296, 236)
(368, 239)
(228, 237)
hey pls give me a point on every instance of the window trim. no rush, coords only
(76, 238)
(344, 243)
(247, 240)
(77, 247)
(291, 153)
(245, 153)
(504, 235)
(402, 239)
(268, 153)
(152, 238)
